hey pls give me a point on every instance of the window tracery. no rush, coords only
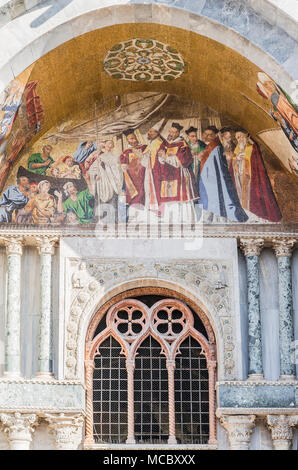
(159, 404)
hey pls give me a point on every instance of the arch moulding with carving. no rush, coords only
(28, 41)
(101, 303)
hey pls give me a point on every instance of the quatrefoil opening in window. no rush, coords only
(169, 321)
(129, 321)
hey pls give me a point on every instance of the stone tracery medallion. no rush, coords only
(144, 60)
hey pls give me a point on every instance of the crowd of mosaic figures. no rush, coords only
(174, 177)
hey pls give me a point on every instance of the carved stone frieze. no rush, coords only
(91, 279)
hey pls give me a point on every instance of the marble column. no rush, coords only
(171, 380)
(283, 251)
(252, 248)
(239, 429)
(130, 367)
(67, 430)
(14, 249)
(46, 250)
(19, 429)
(281, 427)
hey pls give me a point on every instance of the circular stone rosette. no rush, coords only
(144, 60)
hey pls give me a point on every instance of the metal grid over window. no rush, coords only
(191, 394)
(151, 394)
(109, 394)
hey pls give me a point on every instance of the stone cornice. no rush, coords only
(40, 381)
(260, 412)
(251, 383)
(267, 232)
(41, 412)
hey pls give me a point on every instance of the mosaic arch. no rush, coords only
(165, 139)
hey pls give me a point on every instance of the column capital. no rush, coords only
(239, 429)
(14, 245)
(67, 429)
(46, 245)
(281, 427)
(251, 246)
(19, 428)
(283, 247)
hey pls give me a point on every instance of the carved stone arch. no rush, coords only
(82, 18)
(96, 309)
(130, 339)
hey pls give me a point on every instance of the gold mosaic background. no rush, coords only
(71, 77)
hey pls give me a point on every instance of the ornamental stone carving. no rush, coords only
(46, 245)
(283, 247)
(239, 429)
(251, 246)
(281, 428)
(90, 279)
(67, 430)
(19, 428)
(14, 245)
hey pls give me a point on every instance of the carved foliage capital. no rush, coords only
(283, 247)
(46, 245)
(251, 246)
(18, 425)
(14, 245)
(281, 426)
(239, 429)
(67, 429)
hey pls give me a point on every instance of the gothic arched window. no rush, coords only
(150, 377)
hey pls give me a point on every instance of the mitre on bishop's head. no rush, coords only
(157, 127)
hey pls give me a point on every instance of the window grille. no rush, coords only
(150, 376)
(191, 394)
(151, 394)
(109, 394)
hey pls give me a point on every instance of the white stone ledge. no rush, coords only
(262, 412)
(165, 447)
(253, 383)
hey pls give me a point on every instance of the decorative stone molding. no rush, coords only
(67, 430)
(210, 279)
(46, 245)
(255, 231)
(281, 427)
(239, 429)
(251, 246)
(19, 428)
(283, 247)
